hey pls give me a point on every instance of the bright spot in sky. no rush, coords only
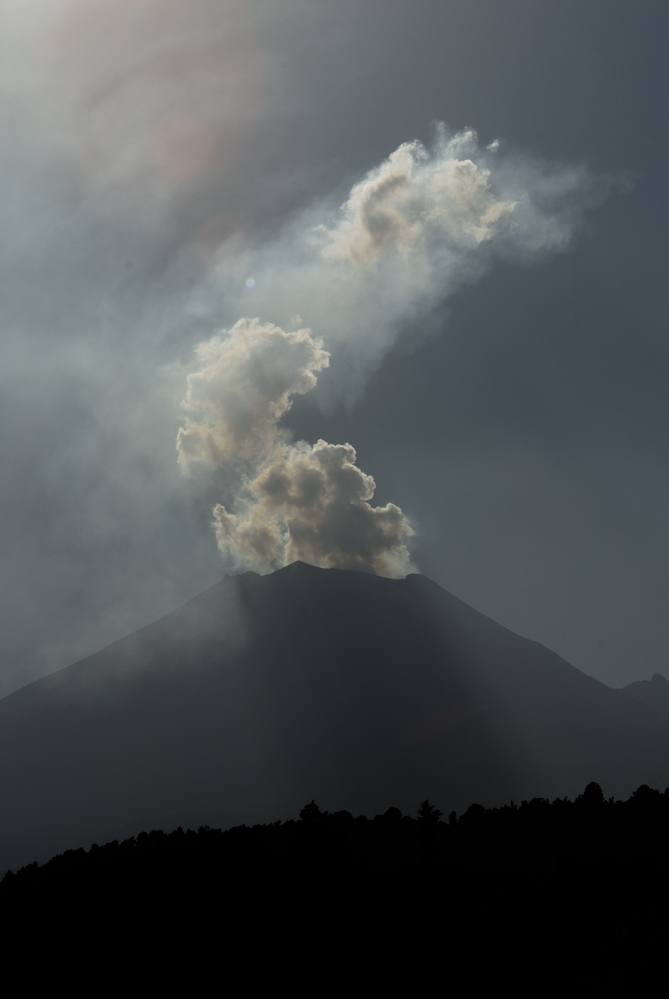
(250, 282)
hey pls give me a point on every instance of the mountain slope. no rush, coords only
(653, 692)
(265, 692)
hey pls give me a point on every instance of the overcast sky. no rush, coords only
(148, 145)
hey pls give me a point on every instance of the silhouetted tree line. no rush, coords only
(573, 891)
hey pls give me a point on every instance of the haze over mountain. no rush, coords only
(653, 692)
(267, 691)
(164, 165)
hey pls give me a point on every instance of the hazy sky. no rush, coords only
(154, 151)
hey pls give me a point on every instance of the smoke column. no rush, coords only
(294, 501)
(410, 233)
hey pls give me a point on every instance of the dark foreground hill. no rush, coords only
(264, 692)
(563, 898)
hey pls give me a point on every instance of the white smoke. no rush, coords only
(293, 501)
(415, 203)
(312, 504)
(410, 233)
(445, 207)
(245, 384)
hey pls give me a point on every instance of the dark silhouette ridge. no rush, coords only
(267, 691)
(572, 893)
(654, 693)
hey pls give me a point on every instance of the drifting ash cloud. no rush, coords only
(416, 204)
(410, 233)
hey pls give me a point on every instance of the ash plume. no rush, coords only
(415, 202)
(417, 227)
(409, 234)
(293, 501)
(245, 384)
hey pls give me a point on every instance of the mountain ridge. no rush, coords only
(653, 692)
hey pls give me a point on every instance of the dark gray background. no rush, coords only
(526, 442)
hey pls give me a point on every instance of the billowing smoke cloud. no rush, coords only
(312, 504)
(293, 501)
(245, 384)
(410, 233)
(416, 203)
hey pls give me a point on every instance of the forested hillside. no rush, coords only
(572, 891)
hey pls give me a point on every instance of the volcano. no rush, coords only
(264, 692)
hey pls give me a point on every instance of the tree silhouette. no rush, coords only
(592, 796)
(428, 814)
(311, 812)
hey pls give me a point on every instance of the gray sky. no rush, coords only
(524, 438)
